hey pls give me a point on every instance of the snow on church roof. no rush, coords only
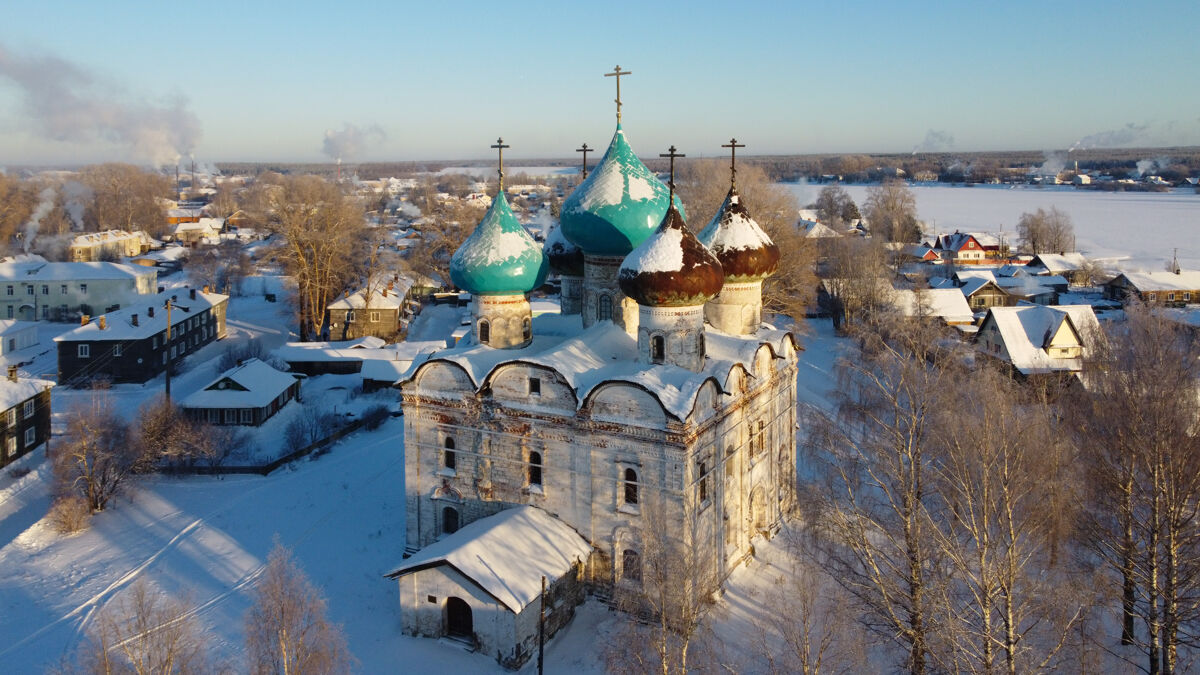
(506, 554)
(605, 353)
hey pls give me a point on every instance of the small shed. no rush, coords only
(248, 395)
(482, 584)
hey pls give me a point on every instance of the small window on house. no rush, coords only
(83, 289)
(631, 486)
(526, 329)
(10, 311)
(10, 290)
(230, 416)
(31, 437)
(448, 459)
(11, 446)
(1151, 297)
(63, 290)
(172, 351)
(631, 565)
(374, 317)
(1171, 297)
(1187, 296)
(116, 350)
(535, 468)
(657, 349)
(45, 289)
(349, 316)
(84, 351)
(604, 307)
(29, 290)
(535, 386)
(214, 416)
(28, 409)
(485, 332)
(12, 417)
(247, 416)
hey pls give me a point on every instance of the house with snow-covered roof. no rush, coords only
(1039, 340)
(137, 343)
(369, 312)
(1173, 289)
(61, 291)
(24, 414)
(657, 391)
(1071, 266)
(247, 395)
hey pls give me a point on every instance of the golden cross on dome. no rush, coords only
(585, 150)
(733, 145)
(671, 181)
(501, 146)
(617, 73)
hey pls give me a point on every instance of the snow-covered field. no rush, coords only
(531, 171)
(1133, 230)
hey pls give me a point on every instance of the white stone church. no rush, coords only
(534, 449)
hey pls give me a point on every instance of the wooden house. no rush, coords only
(24, 415)
(1038, 340)
(1173, 289)
(247, 395)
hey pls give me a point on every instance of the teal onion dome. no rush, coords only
(619, 205)
(499, 258)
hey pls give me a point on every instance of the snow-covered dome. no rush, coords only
(565, 257)
(671, 268)
(499, 258)
(619, 204)
(745, 251)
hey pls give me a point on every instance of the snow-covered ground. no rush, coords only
(485, 172)
(1133, 230)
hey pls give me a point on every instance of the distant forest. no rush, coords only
(1173, 164)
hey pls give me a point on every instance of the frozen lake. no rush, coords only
(1133, 230)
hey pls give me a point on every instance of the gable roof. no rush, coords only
(1186, 280)
(14, 393)
(506, 554)
(259, 385)
(1057, 263)
(119, 323)
(1026, 331)
(948, 304)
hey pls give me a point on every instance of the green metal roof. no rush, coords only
(499, 258)
(618, 206)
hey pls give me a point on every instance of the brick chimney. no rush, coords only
(12, 373)
(193, 293)
(103, 322)
(150, 312)
(84, 319)
(385, 292)
(135, 319)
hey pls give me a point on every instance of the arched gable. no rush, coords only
(736, 380)
(707, 401)
(511, 381)
(627, 403)
(442, 375)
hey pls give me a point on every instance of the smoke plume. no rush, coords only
(935, 141)
(351, 141)
(1150, 166)
(45, 205)
(65, 102)
(1127, 135)
(1054, 164)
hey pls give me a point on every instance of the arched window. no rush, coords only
(657, 349)
(631, 565)
(703, 482)
(631, 486)
(485, 332)
(449, 520)
(604, 307)
(526, 329)
(535, 468)
(448, 459)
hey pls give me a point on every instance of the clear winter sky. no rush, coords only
(442, 80)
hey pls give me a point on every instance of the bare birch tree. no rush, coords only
(146, 633)
(1138, 425)
(1003, 496)
(877, 528)
(287, 632)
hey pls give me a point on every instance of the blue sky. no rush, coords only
(265, 81)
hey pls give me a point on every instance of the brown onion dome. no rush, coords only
(565, 258)
(745, 251)
(671, 268)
